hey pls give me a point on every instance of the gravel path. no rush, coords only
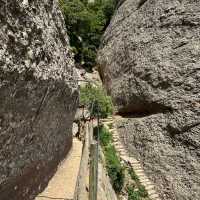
(63, 183)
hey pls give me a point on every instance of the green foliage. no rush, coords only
(133, 175)
(137, 194)
(114, 168)
(96, 99)
(113, 165)
(85, 23)
(142, 191)
(89, 56)
(105, 137)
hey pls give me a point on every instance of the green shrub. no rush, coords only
(142, 191)
(96, 100)
(137, 195)
(105, 137)
(133, 175)
(85, 23)
(89, 57)
(114, 168)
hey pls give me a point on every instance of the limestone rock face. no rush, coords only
(38, 95)
(149, 63)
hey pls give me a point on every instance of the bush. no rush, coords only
(141, 191)
(105, 137)
(133, 175)
(114, 168)
(113, 165)
(132, 194)
(137, 195)
(95, 99)
(89, 57)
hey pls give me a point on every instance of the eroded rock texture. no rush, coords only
(149, 63)
(37, 100)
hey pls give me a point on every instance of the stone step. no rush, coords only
(149, 187)
(133, 160)
(125, 157)
(107, 121)
(136, 165)
(155, 197)
(121, 149)
(146, 183)
(117, 143)
(112, 130)
(115, 135)
(106, 124)
(122, 153)
(108, 118)
(104, 120)
(137, 168)
(118, 146)
(142, 175)
(139, 171)
(151, 192)
(143, 180)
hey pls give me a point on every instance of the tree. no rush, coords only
(85, 23)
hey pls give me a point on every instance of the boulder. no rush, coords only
(38, 96)
(149, 64)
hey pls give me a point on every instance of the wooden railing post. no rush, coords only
(93, 179)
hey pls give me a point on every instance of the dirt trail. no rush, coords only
(63, 183)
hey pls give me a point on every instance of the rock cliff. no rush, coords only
(149, 63)
(38, 95)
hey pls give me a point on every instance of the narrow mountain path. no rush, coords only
(63, 183)
(135, 164)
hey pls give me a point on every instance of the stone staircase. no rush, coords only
(134, 163)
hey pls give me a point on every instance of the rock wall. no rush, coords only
(149, 63)
(38, 95)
